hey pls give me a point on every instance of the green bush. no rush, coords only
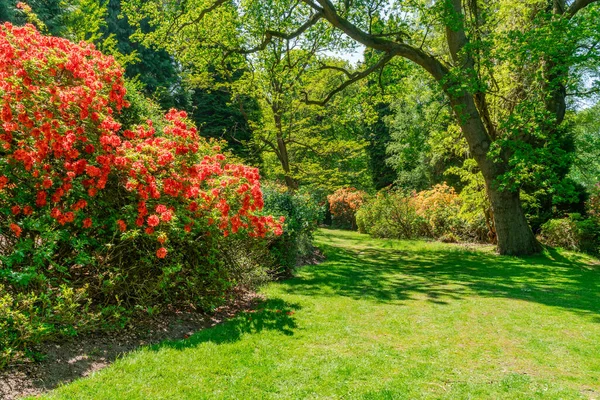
(572, 233)
(28, 318)
(302, 214)
(391, 215)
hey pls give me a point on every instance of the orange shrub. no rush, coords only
(343, 204)
(440, 206)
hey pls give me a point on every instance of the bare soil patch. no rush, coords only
(78, 357)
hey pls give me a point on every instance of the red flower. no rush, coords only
(15, 210)
(87, 223)
(3, 182)
(122, 225)
(161, 253)
(153, 220)
(166, 216)
(16, 229)
(41, 199)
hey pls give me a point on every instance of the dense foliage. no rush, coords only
(302, 215)
(437, 213)
(476, 121)
(572, 233)
(108, 219)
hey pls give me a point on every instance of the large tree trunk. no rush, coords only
(513, 232)
(512, 229)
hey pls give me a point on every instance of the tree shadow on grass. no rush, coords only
(385, 274)
(82, 356)
(270, 315)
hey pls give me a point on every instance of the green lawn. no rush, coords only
(385, 319)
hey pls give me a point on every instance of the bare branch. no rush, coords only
(339, 69)
(270, 34)
(353, 78)
(202, 14)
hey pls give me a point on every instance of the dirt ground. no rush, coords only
(79, 357)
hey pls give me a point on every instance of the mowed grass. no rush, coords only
(386, 319)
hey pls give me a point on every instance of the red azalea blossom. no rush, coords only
(122, 225)
(153, 220)
(161, 253)
(166, 216)
(68, 153)
(16, 229)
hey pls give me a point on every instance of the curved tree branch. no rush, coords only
(201, 16)
(577, 6)
(420, 57)
(353, 77)
(270, 34)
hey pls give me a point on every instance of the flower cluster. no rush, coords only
(179, 178)
(344, 203)
(64, 152)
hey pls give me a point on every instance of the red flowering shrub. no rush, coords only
(140, 214)
(343, 204)
(62, 146)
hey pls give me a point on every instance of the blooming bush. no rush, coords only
(343, 204)
(139, 216)
(435, 213)
(391, 215)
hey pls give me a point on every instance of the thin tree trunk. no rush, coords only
(283, 155)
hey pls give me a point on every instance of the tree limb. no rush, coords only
(353, 78)
(578, 5)
(200, 17)
(270, 34)
(425, 60)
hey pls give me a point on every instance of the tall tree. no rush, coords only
(280, 73)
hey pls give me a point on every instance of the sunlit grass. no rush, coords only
(386, 319)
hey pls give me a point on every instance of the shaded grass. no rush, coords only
(386, 319)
